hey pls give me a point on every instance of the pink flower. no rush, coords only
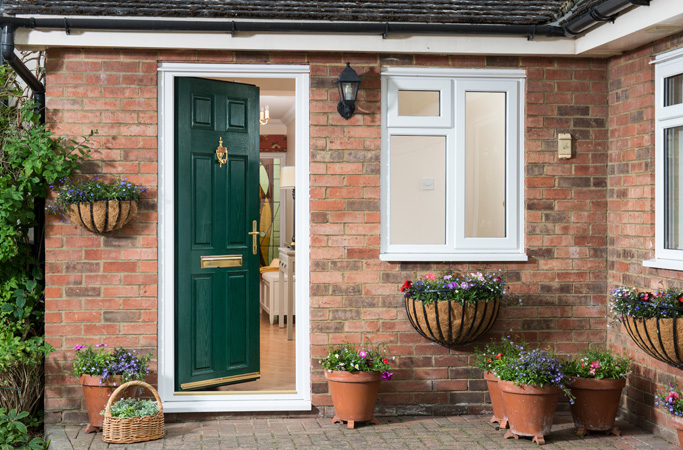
(673, 396)
(430, 277)
(387, 375)
(362, 353)
(101, 345)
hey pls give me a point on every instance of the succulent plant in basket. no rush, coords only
(597, 378)
(454, 309)
(653, 320)
(97, 205)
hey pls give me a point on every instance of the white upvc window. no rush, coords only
(452, 165)
(668, 161)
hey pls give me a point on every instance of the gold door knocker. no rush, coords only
(221, 153)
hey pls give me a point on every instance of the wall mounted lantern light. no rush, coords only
(347, 83)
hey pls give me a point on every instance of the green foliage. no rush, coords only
(133, 407)
(29, 352)
(102, 363)
(465, 289)
(14, 433)
(93, 190)
(347, 358)
(598, 363)
(535, 368)
(627, 301)
(496, 353)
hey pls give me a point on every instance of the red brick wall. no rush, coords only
(631, 197)
(100, 288)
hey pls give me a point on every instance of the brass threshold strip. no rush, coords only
(204, 383)
(236, 393)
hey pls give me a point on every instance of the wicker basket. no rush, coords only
(126, 430)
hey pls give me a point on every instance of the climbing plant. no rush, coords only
(31, 159)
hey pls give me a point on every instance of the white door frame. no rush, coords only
(300, 399)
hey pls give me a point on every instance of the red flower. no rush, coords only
(406, 285)
(385, 361)
(680, 299)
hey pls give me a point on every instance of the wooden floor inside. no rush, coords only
(278, 358)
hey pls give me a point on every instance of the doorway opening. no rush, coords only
(284, 382)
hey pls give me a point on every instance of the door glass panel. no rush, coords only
(418, 103)
(485, 164)
(417, 188)
(673, 199)
(673, 90)
(269, 193)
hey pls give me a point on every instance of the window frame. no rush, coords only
(666, 65)
(453, 83)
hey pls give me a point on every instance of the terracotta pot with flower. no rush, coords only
(453, 309)
(493, 356)
(672, 400)
(531, 386)
(597, 378)
(653, 320)
(101, 371)
(353, 376)
(98, 206)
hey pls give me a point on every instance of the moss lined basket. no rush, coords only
(102, 217)
(127, 430)
(659, 337)
(450, 323)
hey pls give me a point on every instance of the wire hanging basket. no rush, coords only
(660, 336)
(449, 322)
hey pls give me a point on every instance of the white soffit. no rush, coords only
(26, 39)
(633, 29)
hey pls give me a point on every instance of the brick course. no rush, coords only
(104, 289)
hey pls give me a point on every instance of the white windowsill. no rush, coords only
(455, 257)
(670, 264)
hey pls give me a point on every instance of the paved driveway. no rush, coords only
(453, 433)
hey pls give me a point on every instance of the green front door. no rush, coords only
(216, 247)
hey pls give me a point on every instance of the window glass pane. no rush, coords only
(418, 103)
(673, 90)
(417, 187)
(485, 164)
(673, 170)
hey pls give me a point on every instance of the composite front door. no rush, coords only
(216, 236)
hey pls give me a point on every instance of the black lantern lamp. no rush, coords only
(347, 83)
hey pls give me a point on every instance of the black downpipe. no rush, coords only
(9, 57)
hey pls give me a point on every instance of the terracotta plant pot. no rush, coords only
(677, 423)
(660, 338)
(96, 396)
(499, 413)
(530, 409)
(450, 323)
(104, 216)
(354, 395)
(596, 403)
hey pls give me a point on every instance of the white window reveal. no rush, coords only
(452, 165)
(668, 161)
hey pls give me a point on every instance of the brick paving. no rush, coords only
(453, 433)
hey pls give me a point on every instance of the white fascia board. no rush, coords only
(26, 39)
(633, 29)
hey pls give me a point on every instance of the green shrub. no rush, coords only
(14, 433)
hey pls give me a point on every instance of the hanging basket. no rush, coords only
(127, 430)
(661, 336)
(448, 322)
(104, 216)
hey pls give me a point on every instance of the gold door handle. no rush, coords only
(254, 235)
(221, 153)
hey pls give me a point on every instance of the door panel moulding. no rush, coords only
(246, 401)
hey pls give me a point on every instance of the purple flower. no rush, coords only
(465, 285)
(387, 375)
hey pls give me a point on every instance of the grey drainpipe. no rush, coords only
(20, 68)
